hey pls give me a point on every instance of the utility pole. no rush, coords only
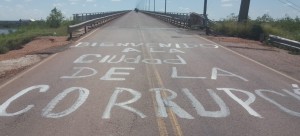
(165, 6)
(244, 10)
(205, 7)
(205, 17)
(148, 5)
(145, 4)
(154, 6)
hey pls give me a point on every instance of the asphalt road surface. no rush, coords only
(138, 76)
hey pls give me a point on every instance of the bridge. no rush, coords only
(141, 73)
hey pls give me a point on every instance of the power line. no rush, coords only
(293, 4)
(285, 3)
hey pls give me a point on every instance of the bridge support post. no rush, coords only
(165, 6)
(70, 35)
(244, 10)
(205, 18)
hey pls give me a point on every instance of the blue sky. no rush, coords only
(217, 9)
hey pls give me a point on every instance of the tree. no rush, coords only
(266, 18)
(55, 18)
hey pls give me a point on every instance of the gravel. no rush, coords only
(8, 65)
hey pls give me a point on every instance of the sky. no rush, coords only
(217, 9)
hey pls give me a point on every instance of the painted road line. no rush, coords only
(88, 34)
(160, 122)
(276, 71)
(174, 122)
(45, 60)
(30, 69)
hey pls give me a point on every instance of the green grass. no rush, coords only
(285, 27)
(25, 34)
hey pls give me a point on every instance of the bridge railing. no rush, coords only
(185, 20)
(82, 17)
(284, 42)
(177, 19)
(94, 21)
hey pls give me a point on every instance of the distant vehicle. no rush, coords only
(136, 10)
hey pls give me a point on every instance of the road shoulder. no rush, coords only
(17, 61)
(278, 59)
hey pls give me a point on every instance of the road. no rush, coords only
(139, 76)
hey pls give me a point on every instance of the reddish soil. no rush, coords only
(16, 61)
(38, 44)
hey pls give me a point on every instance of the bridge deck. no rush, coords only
(140, 76)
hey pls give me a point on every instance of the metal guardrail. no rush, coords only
(285, 42)
(177, 19)
(185, 20)
(82, 17)
(95, 22)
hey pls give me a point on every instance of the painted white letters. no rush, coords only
(286, 110)
(83, 94)
(167, 102)
(245, 104)
(77, 74)
(224, 110)
(175, 75)
(113, 71)
(113, 102)
(216, 73)
(82, 57)
(5, 105)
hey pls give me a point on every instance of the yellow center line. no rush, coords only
(160, 122)
(174, 122)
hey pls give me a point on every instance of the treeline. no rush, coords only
(259, 28)
(9, 24)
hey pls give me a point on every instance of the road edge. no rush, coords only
(252, 60)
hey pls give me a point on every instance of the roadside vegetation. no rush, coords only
(259, 28)
(55, 25)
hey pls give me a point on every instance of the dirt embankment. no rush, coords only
(32, 53)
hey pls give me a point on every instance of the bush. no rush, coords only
(54, 26)
(256, 31)
(253, 29)
(55, 18)
(27, 33)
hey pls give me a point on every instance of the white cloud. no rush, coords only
(19, 6)
(226, 0)
(58, 4)
(73, 2)
(185, 10)
(227, 5)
